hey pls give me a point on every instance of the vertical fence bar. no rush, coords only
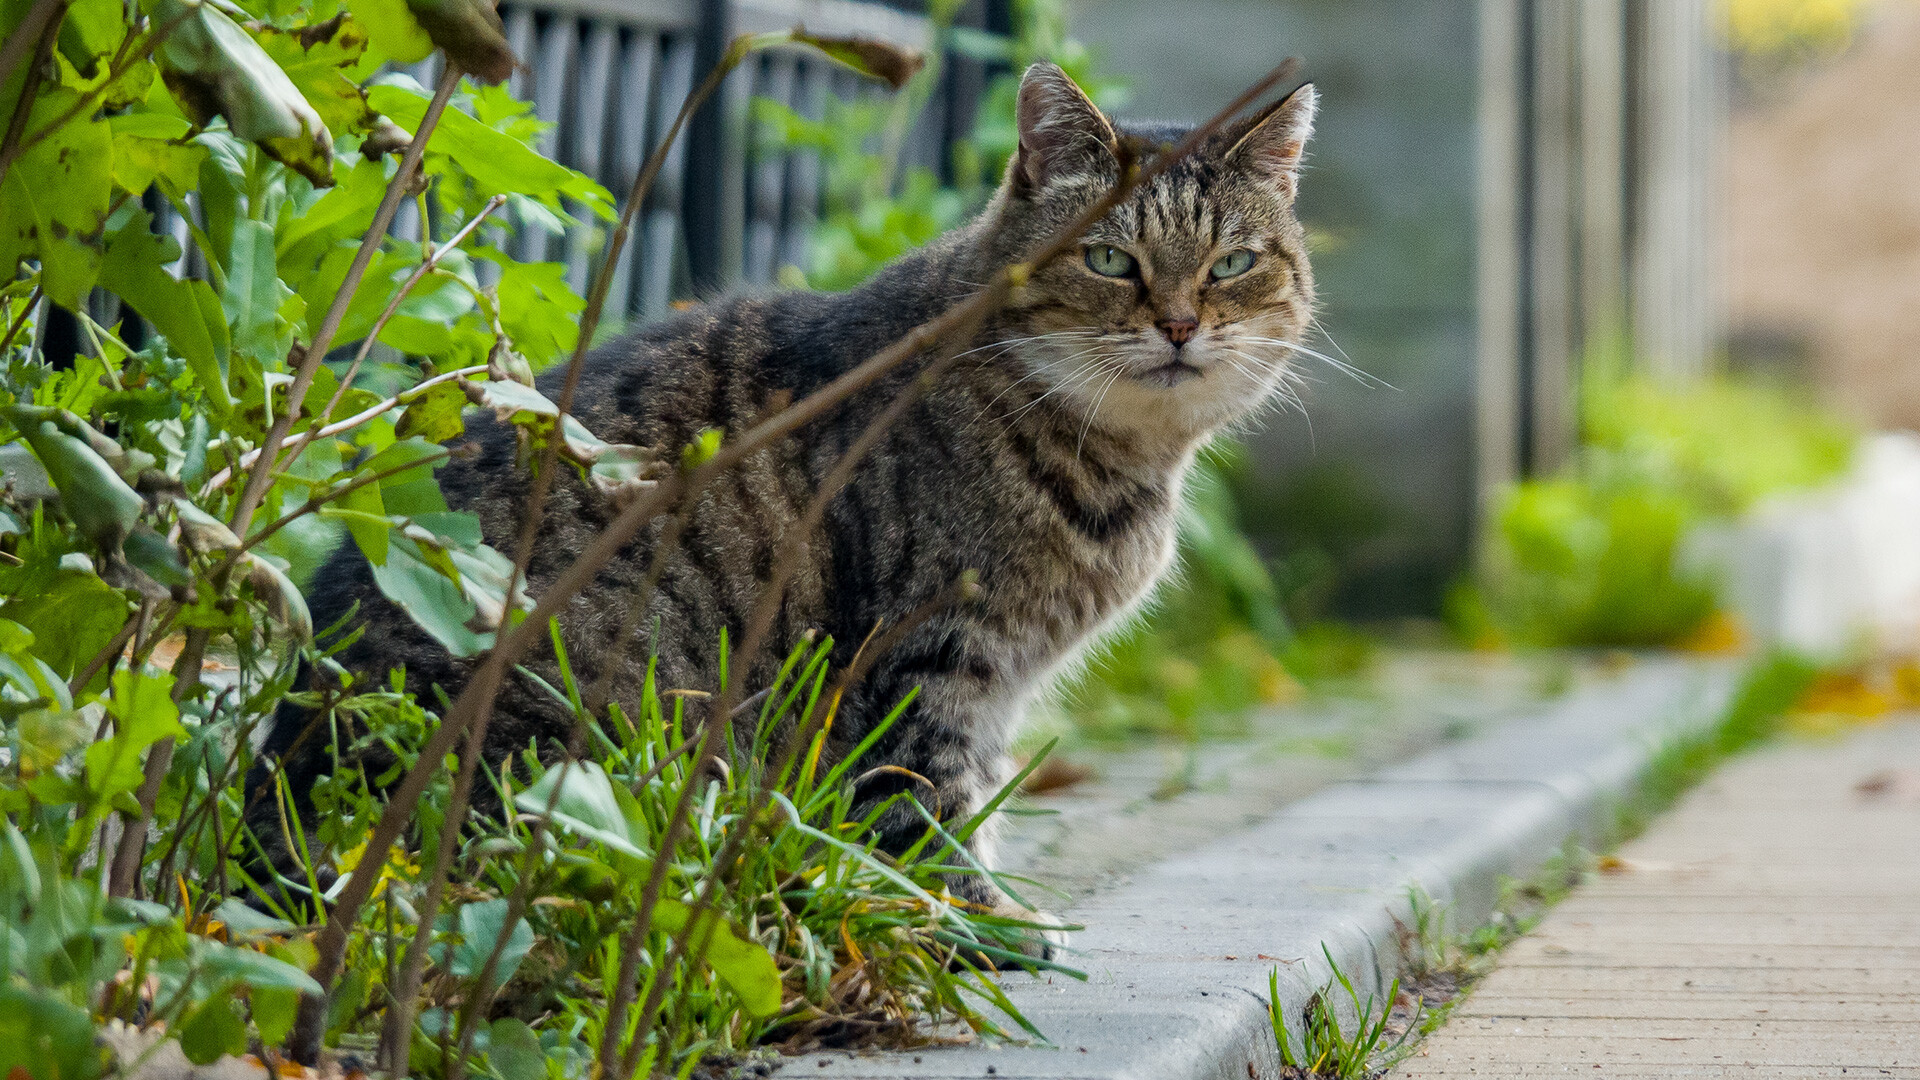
(1603, 134)
(1552, 356)
(664, 214)
(637, 98)
(706, 142)
(803, 193)
(591, 106)
(768, 178)
(1499, 266)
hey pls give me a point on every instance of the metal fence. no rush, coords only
(611, 75)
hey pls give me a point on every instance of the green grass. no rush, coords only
(1322, 1046)
(816, 937)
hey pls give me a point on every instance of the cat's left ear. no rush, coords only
(1062, 132)
(1276, 137)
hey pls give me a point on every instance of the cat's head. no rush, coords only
(1178, 311)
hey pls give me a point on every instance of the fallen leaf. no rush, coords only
(1055, 774)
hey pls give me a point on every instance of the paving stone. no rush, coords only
(1769, 926)
(1179, 952)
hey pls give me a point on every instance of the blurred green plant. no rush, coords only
(1597, 555)
(873, 207)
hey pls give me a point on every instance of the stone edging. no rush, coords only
(1178, 956)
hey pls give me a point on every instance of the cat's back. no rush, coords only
(723, 363)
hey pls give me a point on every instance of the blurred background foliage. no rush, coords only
(1599, 555)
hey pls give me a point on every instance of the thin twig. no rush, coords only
(427, 266)
(33, 299)
(316, 351)
(370, 412)
(124, 875)
(11, 145)
(114, 647)
(27, 34)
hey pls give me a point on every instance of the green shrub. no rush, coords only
(1596, 555)
(639, 904)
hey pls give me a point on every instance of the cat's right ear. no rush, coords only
(1061, 132)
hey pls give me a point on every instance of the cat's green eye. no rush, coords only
(1109, 261)
(1232, 264)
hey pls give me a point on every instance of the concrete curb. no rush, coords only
(1178, 957)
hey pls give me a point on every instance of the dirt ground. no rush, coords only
(1824, 219)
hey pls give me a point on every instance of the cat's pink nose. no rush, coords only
(1179, 331)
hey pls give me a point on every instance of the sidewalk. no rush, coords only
(1768, 927)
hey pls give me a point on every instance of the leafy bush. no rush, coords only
(642, 904)
(1596, 555)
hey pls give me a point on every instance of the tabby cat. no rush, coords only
(1049, 459)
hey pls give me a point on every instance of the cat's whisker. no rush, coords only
(1080, 376)
(1362, 377)
(1095, 411)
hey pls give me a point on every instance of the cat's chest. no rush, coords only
(1063, 589)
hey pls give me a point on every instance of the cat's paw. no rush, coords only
(1045, 940)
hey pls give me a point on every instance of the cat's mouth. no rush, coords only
(1170, 374)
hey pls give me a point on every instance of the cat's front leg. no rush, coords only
(948, 751)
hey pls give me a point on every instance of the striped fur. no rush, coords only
(1049, 460)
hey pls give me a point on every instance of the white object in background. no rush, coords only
(1838, 568)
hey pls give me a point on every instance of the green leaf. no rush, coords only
(143, 708)
(584, 805)
(254, 970)
(253, 293)
(72, 167)
(481, 926)
(316, 59)
(152, 555)
(213, 1031)
(742, 963)
(498, 163)
(430, 598)
(273, 1013)
(213, 67)
(92, 494)
(29, 231)
(146, 151)
(45, 1038)
(434, 415)
(410, 492)
(92, 29)
(187, 313)
(72, 614)
(515, 1051)
(393, 29)
(350, 206)
(538, 310)
(370, 535)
